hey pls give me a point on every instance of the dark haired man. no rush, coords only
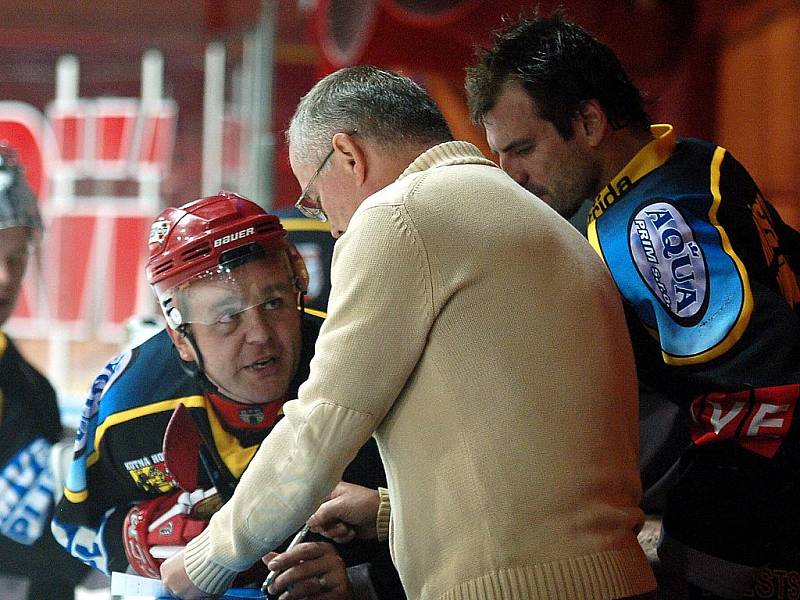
(709, 274)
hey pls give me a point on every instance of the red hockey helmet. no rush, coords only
(208, 238)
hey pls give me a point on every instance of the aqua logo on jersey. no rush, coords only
(669, 259)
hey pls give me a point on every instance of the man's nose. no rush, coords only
(5, 273)
(259, 325)
(513, 168)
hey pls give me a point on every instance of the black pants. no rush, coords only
(736, 506)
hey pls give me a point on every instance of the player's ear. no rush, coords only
(299, 270)
(591, 122)
(349, 145)
(182, 344)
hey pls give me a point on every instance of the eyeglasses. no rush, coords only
(308, 206)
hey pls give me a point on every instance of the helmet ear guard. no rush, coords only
(172, 315)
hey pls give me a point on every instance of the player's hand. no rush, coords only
(350, 512)
(153, 529)
(176, 581)
(309, 570)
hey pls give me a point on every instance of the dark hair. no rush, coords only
(383, 106)
(560, 65)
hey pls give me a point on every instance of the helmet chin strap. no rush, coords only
(185, 332)
(196, 367)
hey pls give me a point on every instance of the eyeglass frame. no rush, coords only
(316, 212)
(313, 212)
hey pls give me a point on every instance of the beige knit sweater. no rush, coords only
(481, 340)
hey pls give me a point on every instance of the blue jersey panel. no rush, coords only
(662, 267)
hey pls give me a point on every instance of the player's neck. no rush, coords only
(244, 416)
(620, 147)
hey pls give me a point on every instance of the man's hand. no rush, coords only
(309, 570)
(177, 582)
(349, 512)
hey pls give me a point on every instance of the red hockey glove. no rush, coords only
(156, 529)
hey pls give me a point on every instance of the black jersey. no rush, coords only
(710, 276)
(704, 264)
(29, 425)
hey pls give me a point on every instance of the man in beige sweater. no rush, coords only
(475, 334)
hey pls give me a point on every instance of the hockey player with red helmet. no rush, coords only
(236, 346)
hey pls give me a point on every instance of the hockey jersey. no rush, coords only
(711, 278)
(29, 425)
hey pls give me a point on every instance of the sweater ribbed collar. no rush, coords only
(447, 153)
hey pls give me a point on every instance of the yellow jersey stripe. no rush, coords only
(743, 319)
(133, 413)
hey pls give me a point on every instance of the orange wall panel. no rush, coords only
(759, 95)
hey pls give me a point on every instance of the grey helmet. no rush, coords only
(18, 206)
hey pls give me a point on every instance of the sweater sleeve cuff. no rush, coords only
(384, 512)
(204, 572)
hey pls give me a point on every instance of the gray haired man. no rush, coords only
(479, 401)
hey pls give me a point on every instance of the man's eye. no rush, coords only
(228, 318)
(273, 303)
(524, 150)
(17, 261)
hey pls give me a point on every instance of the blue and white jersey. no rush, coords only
(26, 493)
